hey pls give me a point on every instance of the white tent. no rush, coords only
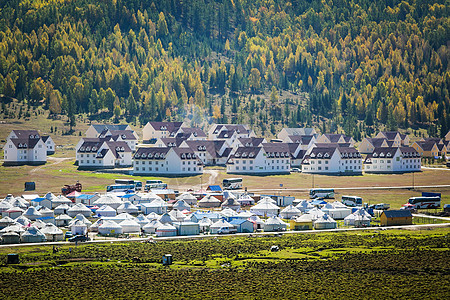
(6, 221)
(19, 202)
(219, 224)
(316, 213)
(12, 228)
(245, 199)
(52, 233)
(94, 227)
(257, 222)
(209, 202)
(148, 197)
(79, 208)
(63, 220)
(231, 203)
(46, 212)
(78, 228)
(61, 209)
(362, 221)
(265, 208)
(188, 198)
(14, 212)
(274, 224)
(153, 216)
(151, 226)
(130, 226)
(119, 218)
(337, 213)
(50, 196)
(39, 224)
(181, 205)
(32, 213)
(59, 200)
(32, 235)
(127, 207)
(22, 220)
(290, 211)
(109, 227)
(142, 220)
(325, 222)
(245, 214)
(267, 200)
(337, 204)
(106, 211)
(228, 213)
(178, 215)
(4, 206)
(304, 206)
(167, 219)
(108, 199)
(158, 206)
(166, 230)
(81, 218)
(204, 224)
(11, 238)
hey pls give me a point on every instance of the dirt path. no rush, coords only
(53, 160)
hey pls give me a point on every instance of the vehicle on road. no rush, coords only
(295, 170)
(155, 184)
(380, 206)
(352, 201)
(137, 184)
(425, 202)
(226, 230)
(321, 193)
(79, 238)
(118, 188)
(68, 234)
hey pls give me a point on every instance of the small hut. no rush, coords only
(325, 222)
(79, 208)
(290, 211)
(209, 202)
(109, 228)
(78, 228)
(52, 233)
(151, 226)
(130, 226)
(32, 235)
(166, 230)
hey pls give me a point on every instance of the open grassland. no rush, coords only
(393, 263)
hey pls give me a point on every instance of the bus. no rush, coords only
(116, 188)
(155, 184)
(232, 184)
(425, 202)
(137, 183)
(352, 201)
(321, 193)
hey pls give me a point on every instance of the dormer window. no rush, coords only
(375, 154)
(31, 136)
(137, 155)
(237, 155)
(183, 156)
(225, 135)
(188, 155)
(319, 155)
(282, 154)
(123, 136)
(156, 155)
(195, 133)
(244, 154)
(251, 154)
(150, 155)
(388, 155)
(277, 154)
(94, 148)
(81, 148)
(24, 145)
(326, 155)
(144, 155)
(88, 148)
(117, 149)
(381, 154)
(313, 155)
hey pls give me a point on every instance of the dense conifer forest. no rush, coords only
(352, 65)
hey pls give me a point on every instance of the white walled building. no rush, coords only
(393, 160)
(396, 137)
(332, 160)
(166, 161)
(268, 159)
(226, 131)
(49, 143)
(24, 147)
(287, 134)
(128, 136)
(104, 154)
(156, 130)
(369, 144)
(328, 138)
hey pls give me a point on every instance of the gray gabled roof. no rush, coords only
(401, 213)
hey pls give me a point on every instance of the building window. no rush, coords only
(326, 162)
(326, 168)
(237, 167)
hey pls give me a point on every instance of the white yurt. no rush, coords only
(304, 206)
(181, 205)
(304, 222)
(11, 238)
(95, 225)
(78, 228)
(265, 208)
(204, 224)
(337, 204)
(362, 221)
(148, 197)
(258, 224)
(39, 224)
(209, 202)
(128, 207)
(178, 215)
(109, 228)
(61, 209)
(50, 196)
(166, 230)
(61, 200)
(167, 219)
(316, 213)
(46, 212)
(350, 220)
(32, 213)
(130, 226)
(32, 235)
(79, 208)
(158, 206)
(188, 198)
(325, 222)
(52, 233)
(81, 218)
(267, 200)
(142, 220)
(362, 212)
(106, 211)
(108, 199)
(337, 213)
(6, 221)
(20, 202)
(290, 211)
(62, 220)
(228, 213)
(245, 214)
(219, 224)
(4, 206)
(153, 216)
(17, 228)
(14, 212)
(151, 226)
(22, 220)
(9, 198)
(120, 218)
(274, 224)
(231, 203)
(245, 200)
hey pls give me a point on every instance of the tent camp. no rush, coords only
(32, 213)
(62, 220)
(228, 213)
(46, 212)
(151, 226)
(231, 203)
(245, 199)
(166, 230)
(158, 206)
(166, 218)
(142, 220)
(106, 211)
(81, 218)
(78, 228)
(59, 200)
(181, 205)
(61, 209)
(337, 213)
(188, 198)
(130, 226)
(178, 215)
(6, 221)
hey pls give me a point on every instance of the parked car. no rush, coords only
(79, 238)
(226, 230)
(68, 235)
(380, 206)
(295, 170)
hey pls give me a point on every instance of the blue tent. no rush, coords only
(318, 202)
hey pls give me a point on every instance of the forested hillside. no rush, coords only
(357, 64)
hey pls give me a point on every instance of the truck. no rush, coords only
(67, 189)
(226, 230)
